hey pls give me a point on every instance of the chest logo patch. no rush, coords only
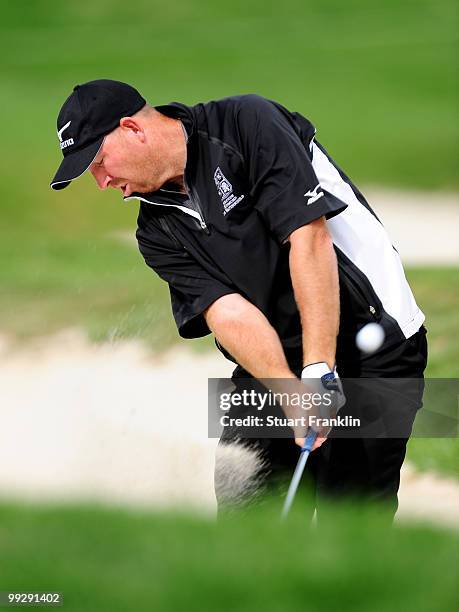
(225, 191)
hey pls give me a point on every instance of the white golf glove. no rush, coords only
(319, 378)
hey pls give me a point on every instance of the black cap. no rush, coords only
(92, 111)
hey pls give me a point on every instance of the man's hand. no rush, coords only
(321, 379)
(319, 441)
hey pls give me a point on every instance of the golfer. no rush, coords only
(266, 243)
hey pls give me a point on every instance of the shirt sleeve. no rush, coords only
(283, 183)
(192, 289)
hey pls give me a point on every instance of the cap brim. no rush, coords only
(75, 164)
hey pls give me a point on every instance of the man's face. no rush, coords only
(127, 162)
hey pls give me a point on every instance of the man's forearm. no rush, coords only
(314, 272)
(244, 331)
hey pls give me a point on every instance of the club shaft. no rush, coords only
(297, 474)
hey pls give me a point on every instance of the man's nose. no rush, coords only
(106, 182)
(103, 179)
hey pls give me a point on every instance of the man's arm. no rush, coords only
(246, 333)
(248, 336)
(314, 272)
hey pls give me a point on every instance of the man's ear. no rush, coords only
(133, 127)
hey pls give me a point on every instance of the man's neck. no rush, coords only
(178, 182)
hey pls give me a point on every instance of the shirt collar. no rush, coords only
(177, 110)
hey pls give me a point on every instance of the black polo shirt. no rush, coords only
(250, 183)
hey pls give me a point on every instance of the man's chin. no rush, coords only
(133, 190)
(144, 190)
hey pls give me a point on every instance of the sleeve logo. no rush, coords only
(313, 195)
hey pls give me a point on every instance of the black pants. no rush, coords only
(367, 467)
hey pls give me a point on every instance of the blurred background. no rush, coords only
(86, 334)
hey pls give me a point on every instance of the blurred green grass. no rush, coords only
(439, 455)
(124, 560)
(437, 293)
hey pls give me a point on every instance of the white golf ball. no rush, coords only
(370, 338)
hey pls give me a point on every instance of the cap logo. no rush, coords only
(64, 143)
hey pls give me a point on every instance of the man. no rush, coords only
(265, 242)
